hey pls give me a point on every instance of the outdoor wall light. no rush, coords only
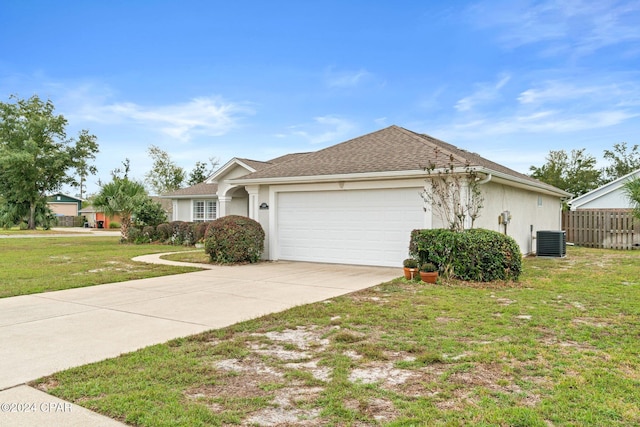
(264, 206)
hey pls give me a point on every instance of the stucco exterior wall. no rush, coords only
(528, 210)
(183, 211)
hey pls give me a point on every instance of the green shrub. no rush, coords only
(114, 224)
(149, 213)
(186, 230)
(176, 237)
(474, 255)
(149, 232)
(233, 239)
(199, 229)
(179, 232)
(135, 236)
(164, 232)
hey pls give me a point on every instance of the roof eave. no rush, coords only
(419, 173)
(364, 176)
(527, 184)
(189, 196)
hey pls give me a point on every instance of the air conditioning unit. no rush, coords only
(551, 243)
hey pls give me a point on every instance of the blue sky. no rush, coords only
(510, 80)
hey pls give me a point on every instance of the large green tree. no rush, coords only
(165, 176)
(623, 160)
(36, 156)
(575, 173)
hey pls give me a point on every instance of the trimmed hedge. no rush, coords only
(163, 231)
(174, 233)
(234, 239)
(474, 255)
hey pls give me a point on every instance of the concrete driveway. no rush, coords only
(44, 333)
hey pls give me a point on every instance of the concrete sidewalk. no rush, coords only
(45, 333)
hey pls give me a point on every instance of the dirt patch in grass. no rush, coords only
(559, 350)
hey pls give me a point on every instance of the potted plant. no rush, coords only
(410, 268)
(429, 272)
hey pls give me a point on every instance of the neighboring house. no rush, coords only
(357, 202)
(96, 217)
(64, 205)
(609, 196)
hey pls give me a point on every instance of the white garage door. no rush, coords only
(368, 227)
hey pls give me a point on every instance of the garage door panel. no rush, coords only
(369, 227)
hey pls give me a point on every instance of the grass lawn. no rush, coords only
(15, 231)
(32, 265)
(559, 348)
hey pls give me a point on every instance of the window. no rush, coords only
(539, 201)
(204, 210)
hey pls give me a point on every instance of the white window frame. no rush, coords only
(208, 212)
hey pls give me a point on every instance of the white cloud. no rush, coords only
(87, 103)
(572, 27)
(346, 79)
(483, 94)
(381, 121)
(552, 122)
(325, 129)
(204, 115)
(627, 93)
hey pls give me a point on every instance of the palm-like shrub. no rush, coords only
(121, 197)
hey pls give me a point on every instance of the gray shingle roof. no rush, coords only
(391, 149)
(387, 150)
(201, 189)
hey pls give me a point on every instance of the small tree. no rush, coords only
(454, 194)
(86, 150)
(149, 213)
(201, 171)
(121, 197)
(632, 191)
(164, 176)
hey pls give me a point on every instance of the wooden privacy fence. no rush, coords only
(602, 228)
(70, 221)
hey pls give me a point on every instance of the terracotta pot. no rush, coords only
(429, 277)
(410, 273)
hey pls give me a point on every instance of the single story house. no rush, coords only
(356, 202)
(608, 196)
(64, 205)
